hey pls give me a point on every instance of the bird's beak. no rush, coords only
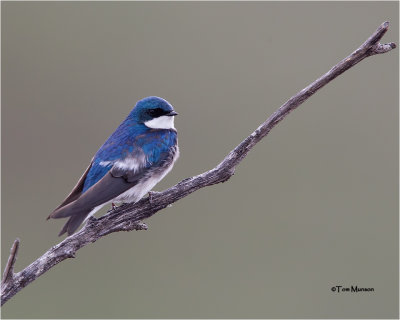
(172, 113)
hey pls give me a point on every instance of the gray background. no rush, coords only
(314, 205)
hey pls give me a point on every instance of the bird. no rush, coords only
(140, 152)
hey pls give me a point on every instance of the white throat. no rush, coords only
(163, 122)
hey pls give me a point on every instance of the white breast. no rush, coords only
(137, 192)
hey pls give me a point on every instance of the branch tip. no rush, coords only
(380, 48)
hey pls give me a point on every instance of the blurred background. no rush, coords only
(314, 205)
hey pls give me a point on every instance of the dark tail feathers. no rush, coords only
(73, 223)
(76, 213)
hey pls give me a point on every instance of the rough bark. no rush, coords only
(128, 217)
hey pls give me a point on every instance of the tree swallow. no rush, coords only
(141, 151)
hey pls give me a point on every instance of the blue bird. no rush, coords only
(140, 152)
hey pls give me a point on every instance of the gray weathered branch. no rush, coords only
(128, 217)
(8, 275)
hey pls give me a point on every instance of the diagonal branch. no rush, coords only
(128, 217)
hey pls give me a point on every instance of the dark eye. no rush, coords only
(156, 112)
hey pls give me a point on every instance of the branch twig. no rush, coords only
(9, 269)
(128, 217)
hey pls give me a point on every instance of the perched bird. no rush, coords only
(140, 152)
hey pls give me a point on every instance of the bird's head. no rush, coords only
(154, 112)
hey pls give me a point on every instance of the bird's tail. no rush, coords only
(76, 213)
(73, 223)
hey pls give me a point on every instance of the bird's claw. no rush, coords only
(114, 207)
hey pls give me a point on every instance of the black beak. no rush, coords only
(172, 113)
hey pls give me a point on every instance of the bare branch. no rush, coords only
(9, 269)
(128, 217)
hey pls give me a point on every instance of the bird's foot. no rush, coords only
(115, 207)
(152, 194)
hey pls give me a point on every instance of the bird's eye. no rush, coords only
(156, 112)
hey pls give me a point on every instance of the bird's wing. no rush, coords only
(77, 190)
(123, 175)
(114, 182)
